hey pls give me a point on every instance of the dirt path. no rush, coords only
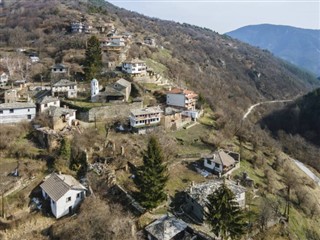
(307, 171)
(260, 103)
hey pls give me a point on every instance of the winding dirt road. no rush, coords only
(260, 103)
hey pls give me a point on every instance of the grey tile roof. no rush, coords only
(133, 61)
(110, 91)
(166, 227)
(123, 82)
(59, 66)
(221, 157)
(16, 105)
(64, 82)
(59, 111)
(201, 191)
(47, 99)
(148, 110)
(57, 185)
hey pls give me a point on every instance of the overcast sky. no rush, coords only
(226, 15)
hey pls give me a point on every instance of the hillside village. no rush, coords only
(72, 138)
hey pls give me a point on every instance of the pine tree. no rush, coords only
(93, 61)
(152, 176)
(224, 214)
(65, 149)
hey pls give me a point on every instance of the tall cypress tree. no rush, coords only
(224, 214)
(93, 61)
(152, 176)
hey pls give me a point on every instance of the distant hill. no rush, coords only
(295, 45)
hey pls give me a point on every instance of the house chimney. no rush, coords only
(59, 172)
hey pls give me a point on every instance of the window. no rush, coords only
(28, 109)
(78, 195)
(46, 105)
(29, 116)
(1, 111)
(68, 199)
(11, 110)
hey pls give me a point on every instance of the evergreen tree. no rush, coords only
(152, 176)
(65, 149)
(93, 61)
(224, 214)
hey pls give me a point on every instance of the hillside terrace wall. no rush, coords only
(115, 110)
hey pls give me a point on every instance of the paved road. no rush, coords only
(307, 171)
(260, 103)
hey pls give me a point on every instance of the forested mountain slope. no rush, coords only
(296, 45)
(224, 71)
(297, 124)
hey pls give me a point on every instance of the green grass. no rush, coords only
(190, 139)
(256, 175)
(151, 86)
(156, 66)
(180, 178)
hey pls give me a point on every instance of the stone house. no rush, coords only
(64, 88)
(45, 103)
(173, 119)
(221, 161)
(11, 95)
(61, 117)
(135, 67)
(63, 192)
(196, 196)
(4, 78)
(60, 70)
(142, 120)
(17, 112)
(150, 41)
(166, 228)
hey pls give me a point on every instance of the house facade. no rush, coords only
(10, 96)
(17, 112)
(123, 86)
(196, 196)
(182, 98)
(59, 69)
(61, 117)
(3, 78)
(150, 41)
(64, 88)
(135, 67)
(140, 119)
(63, 192)
(221, 161)
(46, 102)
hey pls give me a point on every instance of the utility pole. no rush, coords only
(287, 208)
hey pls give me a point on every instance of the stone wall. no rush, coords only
(108, 112)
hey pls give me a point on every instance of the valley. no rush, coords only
(114, 124)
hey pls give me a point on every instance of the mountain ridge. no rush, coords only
(295, 45)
